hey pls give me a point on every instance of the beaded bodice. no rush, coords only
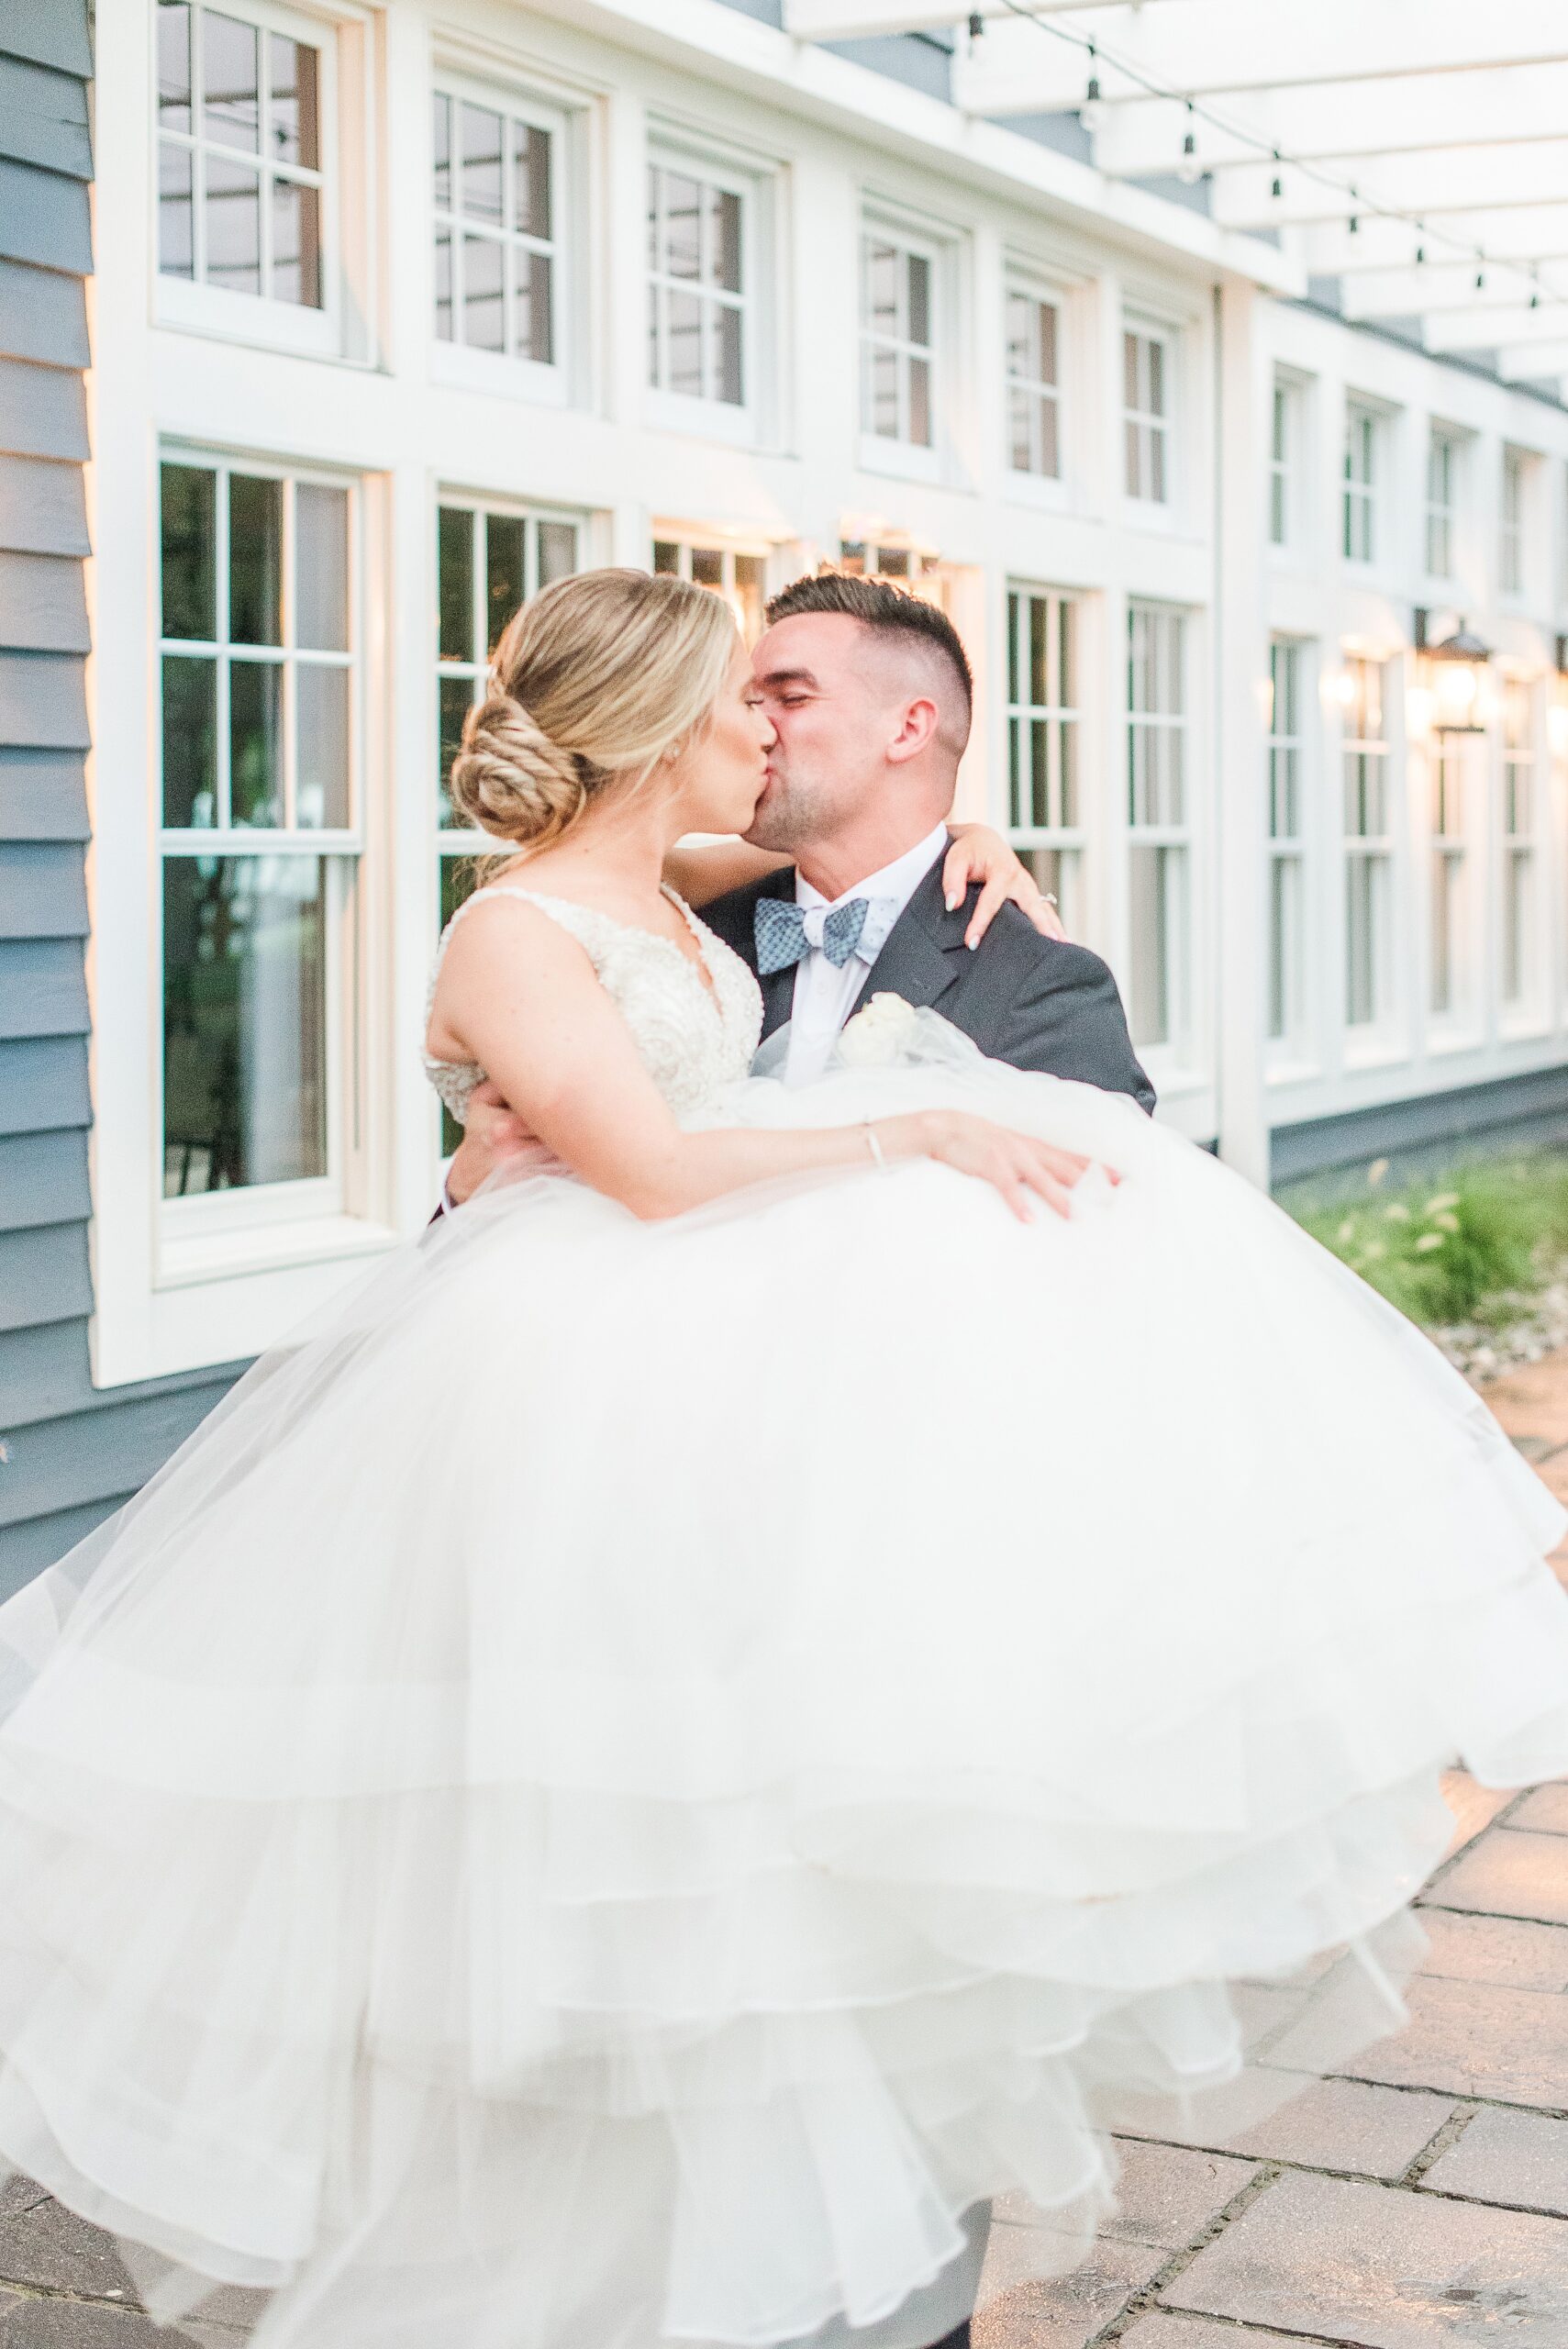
(692, 1037)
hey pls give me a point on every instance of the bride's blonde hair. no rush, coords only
(593, 682)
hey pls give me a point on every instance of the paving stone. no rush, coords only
(49, 2244)
(1384, 2269)
(1532, 1401)
(1474, 1806)
(19, 2193)
(1168, 2193)
(1321, 2124)
(1058, 2311)
(1508, 1874)
(1462, 2039)
(1545, 1807)
(1496, 1949)
(1519, 2159)
(1159, 2329)
(33, 2323)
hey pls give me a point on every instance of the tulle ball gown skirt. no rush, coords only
(635, 1771)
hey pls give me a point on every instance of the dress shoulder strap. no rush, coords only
(584, 924)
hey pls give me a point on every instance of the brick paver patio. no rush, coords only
(1418, 2201)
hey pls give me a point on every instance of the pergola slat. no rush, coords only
(1198, 48)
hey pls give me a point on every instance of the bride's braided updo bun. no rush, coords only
(595, 681)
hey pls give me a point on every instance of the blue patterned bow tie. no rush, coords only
(786, 933)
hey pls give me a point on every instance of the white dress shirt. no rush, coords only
(823, 995)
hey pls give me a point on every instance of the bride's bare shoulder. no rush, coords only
(499, 939)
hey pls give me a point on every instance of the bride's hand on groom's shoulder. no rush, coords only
(493, 1136)
(980, 854)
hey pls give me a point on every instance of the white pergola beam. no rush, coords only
(1530, 362)
(1209, 47)
(864, 19)
(1351, 121)
(1522, 232)
(1462, 177)
(1500, 328)
(1401, 293)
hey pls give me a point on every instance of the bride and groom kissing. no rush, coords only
(869, 694)
(646, 1767)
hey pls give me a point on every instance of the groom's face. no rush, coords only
(827, 696)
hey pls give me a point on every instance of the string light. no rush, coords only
(1092, 112)
(1189, 169)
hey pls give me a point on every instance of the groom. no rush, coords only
(870, 693)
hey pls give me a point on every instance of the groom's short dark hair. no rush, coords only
(885, 609)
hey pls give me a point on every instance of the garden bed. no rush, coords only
(1477, 1257)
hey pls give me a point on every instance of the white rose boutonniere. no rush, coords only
(880, 1035)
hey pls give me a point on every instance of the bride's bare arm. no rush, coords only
(519, 996)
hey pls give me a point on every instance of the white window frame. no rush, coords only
(1286, 781)
(884, 452)
(713, 418)
(1049, 725)
(1512, 524)
(195, 1230)
(556, 382)
(1361, 491)
(1440, 513)
(690, 540)
(1519, 927)
(1159, 771)
(340, 33)
(1456, 777)
(1285, 463)
(1043, 396)
(1148, 431)
(453, 844)
(1372, 854)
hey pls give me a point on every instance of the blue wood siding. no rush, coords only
(69, 1454)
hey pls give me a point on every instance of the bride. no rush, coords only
(632, 1774)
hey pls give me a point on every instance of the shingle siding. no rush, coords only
(69, 1453)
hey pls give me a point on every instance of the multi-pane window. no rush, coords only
(1282, 461)
(1518, 840)
(740, 578)
(1368, 845)
(1511, 524)
(495, 200)
(1045, 814)
(1358, 535)
(1442, 484)
(863, 558)
(1160, 840)
(1450, 767)
(1034, 437)
(488, 561)
(1287, 869)
(240, 186)
(698, 289)
(258, 839)
(1146, 397)
(898, 337)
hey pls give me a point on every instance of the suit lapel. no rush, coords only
(921, 959)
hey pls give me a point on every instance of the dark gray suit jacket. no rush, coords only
(1038, 1003)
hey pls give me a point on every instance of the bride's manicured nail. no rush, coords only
(953, 901)
(972, 943)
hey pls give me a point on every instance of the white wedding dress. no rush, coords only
(632, 1773)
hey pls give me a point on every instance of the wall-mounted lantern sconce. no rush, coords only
(1453, 672)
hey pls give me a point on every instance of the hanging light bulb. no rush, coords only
(1189, 170)
(1092, 112)
(1277, 190)
(977, 24)
(1355, 224)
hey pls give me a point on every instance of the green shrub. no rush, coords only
(1465, 1248)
